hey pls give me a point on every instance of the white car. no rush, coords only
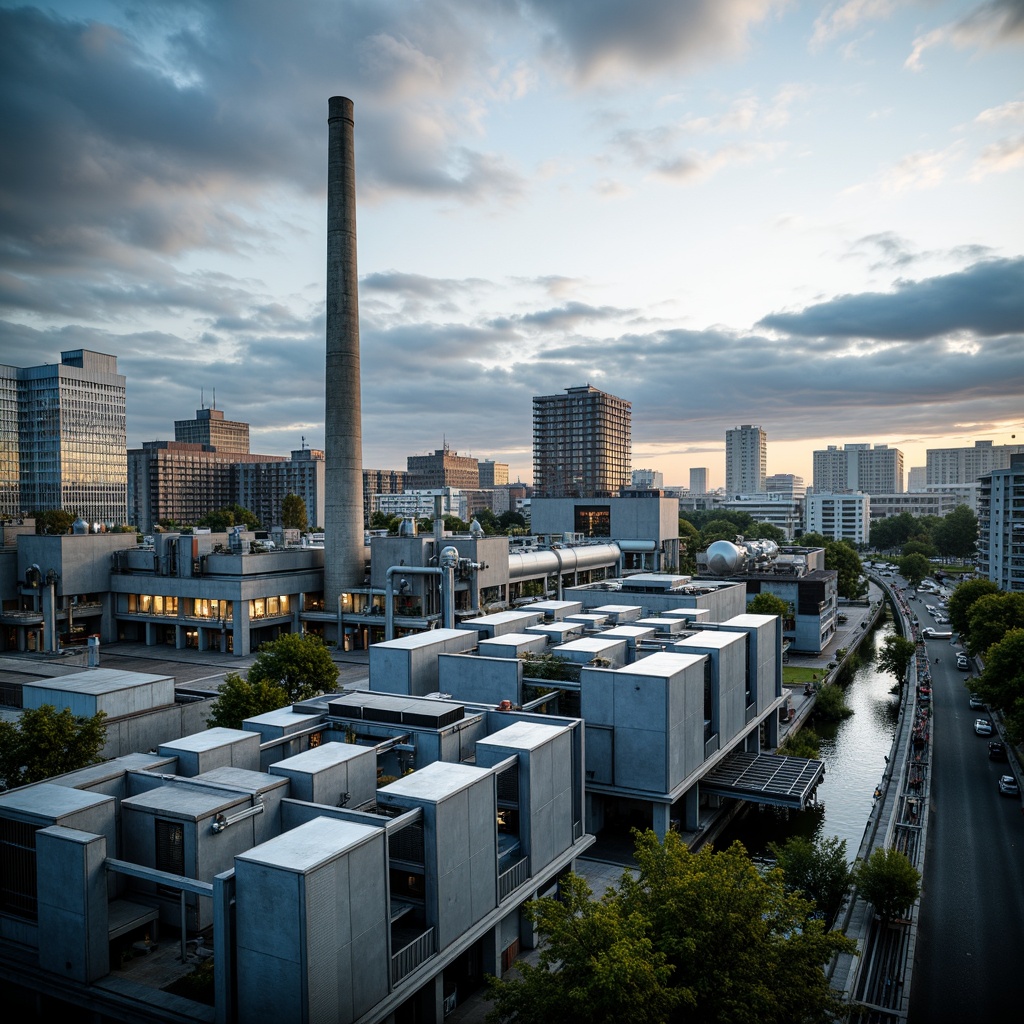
(983, 727)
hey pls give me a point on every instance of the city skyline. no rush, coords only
(798, 216)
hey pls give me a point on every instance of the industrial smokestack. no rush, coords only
(344, 545)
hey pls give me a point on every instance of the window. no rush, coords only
(18, 868)
(170, 851)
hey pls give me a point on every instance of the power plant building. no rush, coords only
(582, 444)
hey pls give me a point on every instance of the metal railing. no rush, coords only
(407, 959)
(514, 877)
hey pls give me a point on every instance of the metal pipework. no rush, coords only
(448, 561)
(223, 821)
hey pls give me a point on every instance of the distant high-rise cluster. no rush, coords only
(699, 480)
(746, 456)
(858, 467)
(64, 438)
(966, 465)
(582, 444)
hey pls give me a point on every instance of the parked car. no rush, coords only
(976, 701)
(983, 727)
(996, 750)
(1008, 786)
(962, 663)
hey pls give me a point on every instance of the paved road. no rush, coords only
(968, 965)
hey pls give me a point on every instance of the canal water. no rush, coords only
(853, 751)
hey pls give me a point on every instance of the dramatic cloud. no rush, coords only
(986, 300)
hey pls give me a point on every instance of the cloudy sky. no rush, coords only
(803, 215)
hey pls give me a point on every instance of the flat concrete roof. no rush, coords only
(433, 782)
(628, 631)
(617, 609)
(511, 639)
(284, 717)
(686, 613)
(748, 619)
(711, 638)
(310, 844)
(184, 801)
(47, 800)
(325, 756)
(660, 664)
(594, 644)
(242, 779)
(210, 739)
(99, 681)
(523, 735)
(431, 637)
(500, 617)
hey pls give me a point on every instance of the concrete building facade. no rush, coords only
(965, 465)
(874, 469)
(210, 428)
(1001, 525)
(443, 468)
(582, 444)
(699, 480)
(746, 459)
(65, 435)
(839, 516)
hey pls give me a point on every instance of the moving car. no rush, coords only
(983, 727)
(976, 701)
(1008, 786)
(997, 751)
(936, 634)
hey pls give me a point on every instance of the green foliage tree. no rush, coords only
(53, 521)
(596, 964)
(991, 617)
(511, 521)
(293, 513)
(298, 662)
(895, 655)
(222, 519)
(813, 540)
(918, 547)
(454, 524)
(549, 666)
(240, 699)
(718, 529)
(702, 937)
(1001, 685)
(889, 881)
(962, 600)
(914, 568)
(767, 603)
(380, 520)
(805, 743)
(830, 705)
(891, 533)
(766, 531)
(46, 742)
(488, 521)
(956, 535)
(845, 560)
(817, 868)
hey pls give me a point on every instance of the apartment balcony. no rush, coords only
(412, 954)
(510, 880)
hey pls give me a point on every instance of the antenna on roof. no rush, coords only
(214, 398)
(202, 399)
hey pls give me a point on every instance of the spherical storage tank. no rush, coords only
(724, 558)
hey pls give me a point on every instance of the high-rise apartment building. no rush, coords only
(746, 456)
(699, 480)
(965, 465)
(380, 481)
(262, 486)
(444, 468)
(582, 444)
(210, 427)
(1001, 525)
(839, 516)
(493, 474)
(64, 437)
(858, 467)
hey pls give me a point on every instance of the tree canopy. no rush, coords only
(298, 662)
(991, 617)
(846, 562)
(895, 655)
(889, 881)
(696, 937)
(913, 568)
(53, 521)
(767, 603)
(223, 519)
(956, 535)
(293, 513)
(240, 699)
(817, 868)
(962, 600)
(1001, 685)
(47, 742)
